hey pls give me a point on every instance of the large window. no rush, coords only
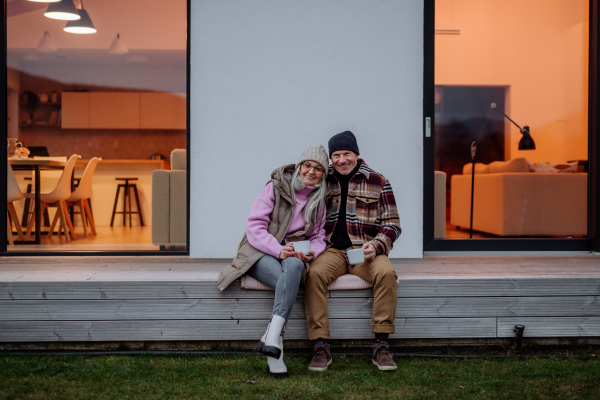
(511, 77)
(109, 90)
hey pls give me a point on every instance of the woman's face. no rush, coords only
(311, 172)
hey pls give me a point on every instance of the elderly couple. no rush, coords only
(339, 207)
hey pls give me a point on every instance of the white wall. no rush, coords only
(271, 77)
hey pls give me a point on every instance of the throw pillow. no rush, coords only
(553, 167)
(514, 165)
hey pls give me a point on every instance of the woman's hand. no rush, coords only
(287, 251)
(303, 257)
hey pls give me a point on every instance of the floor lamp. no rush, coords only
(526, 143)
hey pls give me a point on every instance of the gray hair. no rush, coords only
(315, 207)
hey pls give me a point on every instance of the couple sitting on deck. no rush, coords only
(339, 207)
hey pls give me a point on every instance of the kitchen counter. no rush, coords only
(160, 164)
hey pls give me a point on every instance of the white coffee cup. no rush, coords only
(356, 256)
(302, 246)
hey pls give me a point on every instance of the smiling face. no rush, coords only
(311, 172)
(344, 161)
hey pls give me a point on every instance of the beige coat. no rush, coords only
(281, 217)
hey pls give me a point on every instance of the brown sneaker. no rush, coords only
(321, 358)
(383, 358)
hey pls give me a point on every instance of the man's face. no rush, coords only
(344, 161)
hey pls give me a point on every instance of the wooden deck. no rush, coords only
(91, 299)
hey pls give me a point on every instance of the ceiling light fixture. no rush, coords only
(44, 1)
(118, 46)
(64, 10)
(82, 25)
(46, 45)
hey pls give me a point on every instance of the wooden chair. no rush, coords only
(57, 198)
(13, 193)
(80, 197)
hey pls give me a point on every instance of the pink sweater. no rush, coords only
(259, 218)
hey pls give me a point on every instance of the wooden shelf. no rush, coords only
(42, 104)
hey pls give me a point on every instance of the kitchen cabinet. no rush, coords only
(114, 110)
(123, 110)
(75, 110)
(162, 111)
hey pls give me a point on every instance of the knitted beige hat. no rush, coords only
(315, 153)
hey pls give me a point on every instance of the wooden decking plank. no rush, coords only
(488, 287)
(550, 326)
(121, 290)
(260, 308)
(49, 331)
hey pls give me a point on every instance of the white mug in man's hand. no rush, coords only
(355, 256)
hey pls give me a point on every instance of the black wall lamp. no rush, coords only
(526, 143)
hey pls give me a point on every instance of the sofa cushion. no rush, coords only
(178, 159)
(514, 165)
(553, 167)
(344, 282)
(479, 169)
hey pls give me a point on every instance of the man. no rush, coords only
(361, 213)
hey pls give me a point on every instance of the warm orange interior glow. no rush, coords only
(539, 48)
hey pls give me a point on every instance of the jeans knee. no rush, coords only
(293, 265)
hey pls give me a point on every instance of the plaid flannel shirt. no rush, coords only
(371, 213)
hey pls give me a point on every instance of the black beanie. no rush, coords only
(343, 141)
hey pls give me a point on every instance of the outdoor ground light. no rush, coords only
(82, 25)
(64, 10)
(526, 143)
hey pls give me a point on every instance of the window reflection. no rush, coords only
(117, 92)
(530, 58)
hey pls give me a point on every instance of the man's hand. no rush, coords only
(287, 251)
(303, 257)
(370, 251)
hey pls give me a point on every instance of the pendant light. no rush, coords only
(118, 46)
(64, 10)
(46, 45)
(82, 25)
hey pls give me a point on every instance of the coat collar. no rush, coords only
(362, 169)
(282, 181)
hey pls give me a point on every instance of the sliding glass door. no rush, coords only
(507, 162)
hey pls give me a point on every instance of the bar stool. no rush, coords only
(127, 200)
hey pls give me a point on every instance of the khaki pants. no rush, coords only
(332, 264)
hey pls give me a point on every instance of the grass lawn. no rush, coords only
(245, 376)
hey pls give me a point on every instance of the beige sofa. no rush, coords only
(511, 201)
(169, 202)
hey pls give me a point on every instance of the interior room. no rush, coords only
(511, 79)
(96, 110)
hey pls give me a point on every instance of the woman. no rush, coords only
(291, 208)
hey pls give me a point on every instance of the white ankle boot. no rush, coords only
(269, 344)
(275, 366)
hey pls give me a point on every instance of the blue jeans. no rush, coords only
(284, 276)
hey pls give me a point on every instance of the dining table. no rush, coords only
(36, 165)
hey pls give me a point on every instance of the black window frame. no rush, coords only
(20, 253)
(430, 244)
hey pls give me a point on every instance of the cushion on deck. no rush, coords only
(344, 282)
